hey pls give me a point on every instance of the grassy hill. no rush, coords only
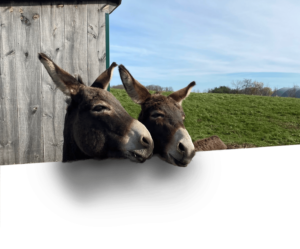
(236, 119)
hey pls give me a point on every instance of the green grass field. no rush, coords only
(237, 119)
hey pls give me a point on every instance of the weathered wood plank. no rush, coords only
(54, 105)
(10, 130)
(96, 42)
(31, 108)
(28, 78)
(75, 53)
(0, 196)
(2, 131)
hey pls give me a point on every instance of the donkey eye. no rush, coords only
(157, 115)
(99, 108)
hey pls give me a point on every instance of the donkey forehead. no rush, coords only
(163, 103)
(95, 95)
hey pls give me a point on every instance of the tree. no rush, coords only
(118, 87)
(292, 91)
(154, 88)
(170, 89)
(247, 86)
(275, 91)
(267, 91)
(256, 88)
(237, 86)
(221, 89)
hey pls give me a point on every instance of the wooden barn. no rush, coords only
(75, 34)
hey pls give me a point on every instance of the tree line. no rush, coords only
(155, 88)
(250, 87)
(246, 86)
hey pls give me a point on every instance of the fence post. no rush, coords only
(107, 42)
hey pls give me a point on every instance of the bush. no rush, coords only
(155, 88)
(118, 87)
(221, 89)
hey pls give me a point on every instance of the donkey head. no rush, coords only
(163, 116)
(96, 124)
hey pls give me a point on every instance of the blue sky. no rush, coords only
(171, 43)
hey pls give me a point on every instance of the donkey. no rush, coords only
(163, 116)
(96, 124)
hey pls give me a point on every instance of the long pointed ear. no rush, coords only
(103, 79)
(136, 91)
(182, 93)
(79, 79)
(63, 80)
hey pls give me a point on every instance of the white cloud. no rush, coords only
(171, 39)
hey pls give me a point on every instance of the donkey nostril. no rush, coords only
(145, 141)
(181, 147)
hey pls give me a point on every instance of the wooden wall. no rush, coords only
(32, 109)
(0, 196)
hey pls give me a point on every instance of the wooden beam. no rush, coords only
(28, 83)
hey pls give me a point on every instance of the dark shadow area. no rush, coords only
(259, 189)
(117, 193)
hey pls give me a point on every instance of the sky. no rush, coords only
(172, 43)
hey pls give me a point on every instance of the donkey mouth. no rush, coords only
(177, 162)
(137, 156)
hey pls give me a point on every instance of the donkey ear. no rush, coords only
(182, 93)
(103, 79)
(63, 80)
(136, 91)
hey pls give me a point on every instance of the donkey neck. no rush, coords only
(71, 152)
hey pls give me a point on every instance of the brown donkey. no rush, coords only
(163, 116)
(96, 124)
